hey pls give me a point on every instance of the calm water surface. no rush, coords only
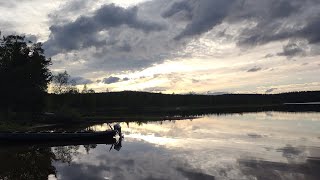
(268, 145)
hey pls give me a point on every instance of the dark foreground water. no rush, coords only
(267, 145)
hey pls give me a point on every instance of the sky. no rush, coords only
(176, 46)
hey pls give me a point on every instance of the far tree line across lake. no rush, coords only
(25, 77)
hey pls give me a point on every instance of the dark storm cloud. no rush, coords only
(205, 15)
(283, 8)
(80, 80)
(124, 48)
(311, 30)
(84, 31)
(271, 90)
(279, 20)
(178, 7)
(274, 20)
(292, 49)
(254, 69)
(272, 31)
(111, 80)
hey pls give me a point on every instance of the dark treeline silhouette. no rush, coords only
(130, 102)
(24, 76)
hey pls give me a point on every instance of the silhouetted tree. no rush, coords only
(62, 84)
(85, 90)
(24, 75)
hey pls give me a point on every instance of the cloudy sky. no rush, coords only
(204, 46)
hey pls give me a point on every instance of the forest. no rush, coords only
(131, 103)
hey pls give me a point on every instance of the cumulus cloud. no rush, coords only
(178, 7)
(124, 46)
(87, 31)
(279, 20)
(111, 80)
(254, 69)
(291, 50)
(267, 21)
(205, 14)
(75, 5)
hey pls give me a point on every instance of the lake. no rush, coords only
(264, 145)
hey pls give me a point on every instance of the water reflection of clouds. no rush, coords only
(234, 130)
(137, 161)
(151, 138)
(240, 132)
(231, 146)
(268, 170)
(212, 147)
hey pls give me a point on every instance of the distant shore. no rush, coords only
(66, 109)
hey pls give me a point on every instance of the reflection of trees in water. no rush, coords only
(26, 163)
(89, 146)
(35, 162)
(141, 123)
(65, 153)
